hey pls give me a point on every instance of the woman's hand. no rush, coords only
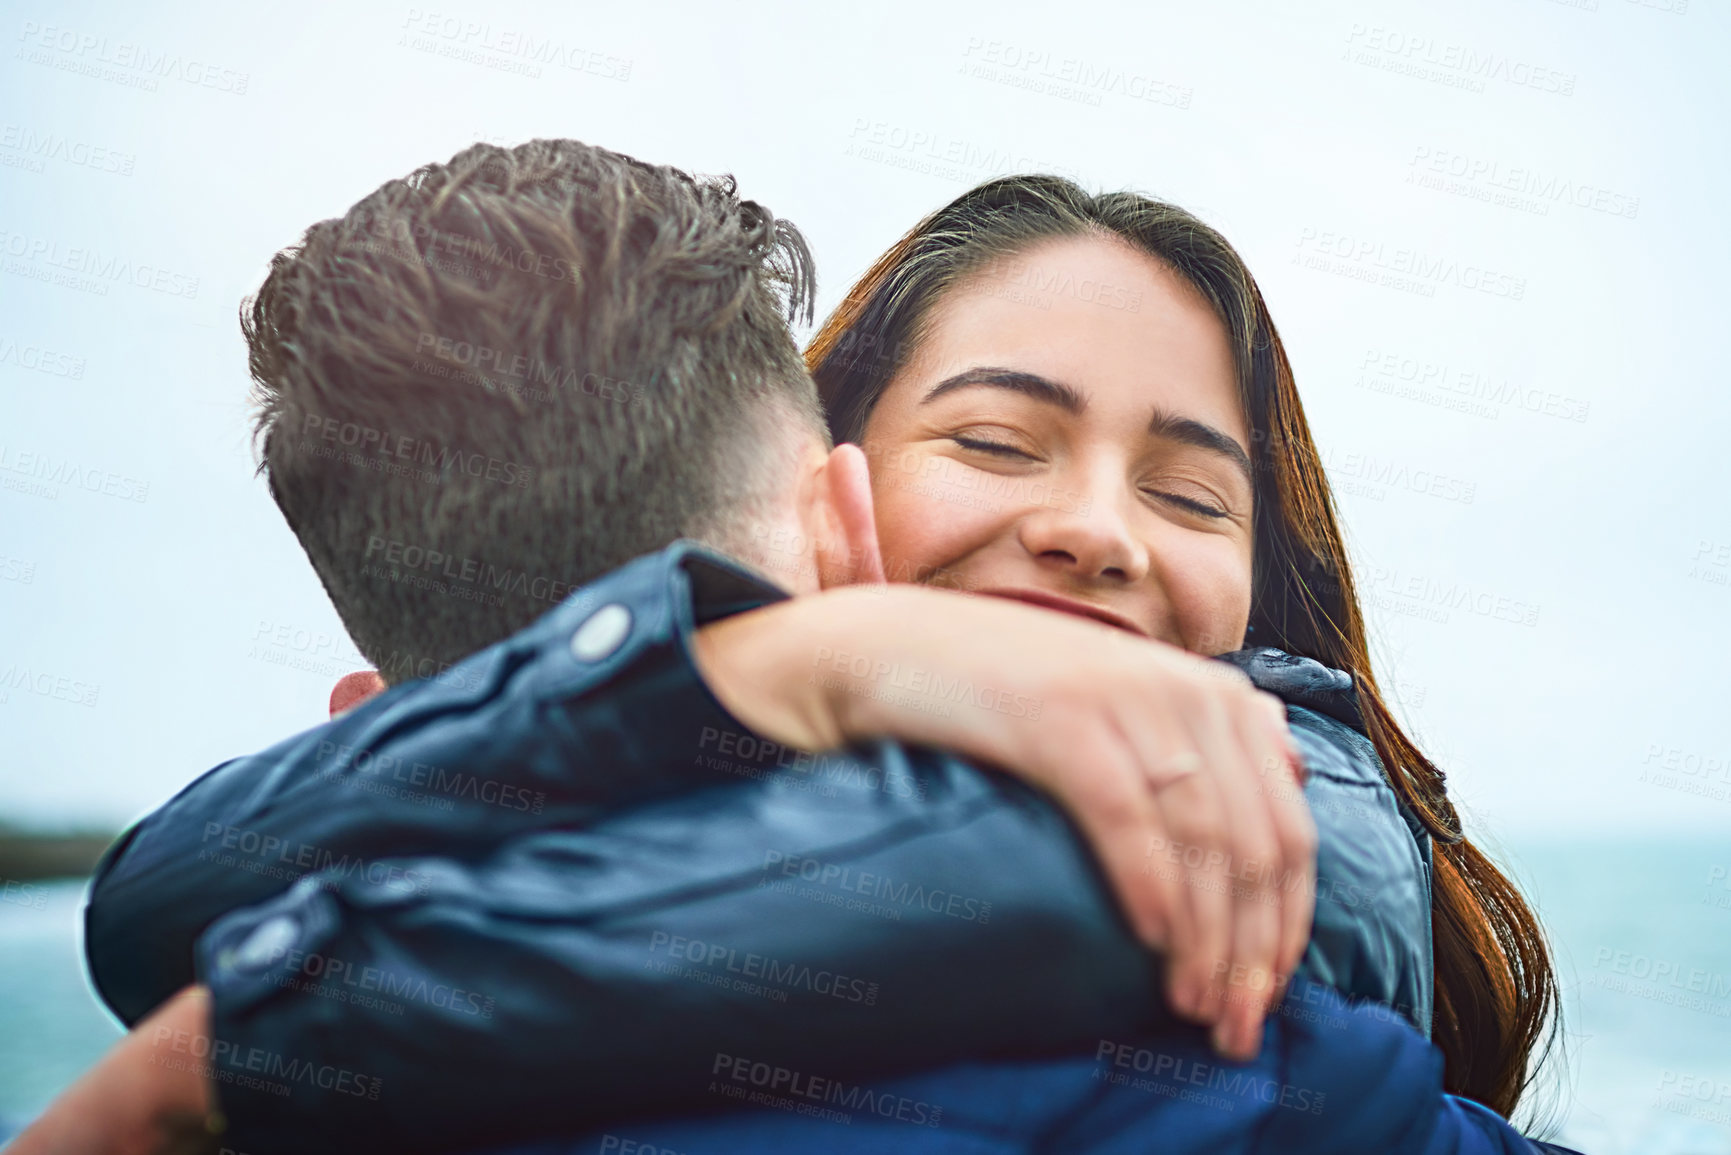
(1180, 774)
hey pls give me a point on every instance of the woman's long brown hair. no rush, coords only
(1496, 993)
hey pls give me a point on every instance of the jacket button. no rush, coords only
(603, 633)
(269, 941)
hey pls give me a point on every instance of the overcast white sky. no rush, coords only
(1551, 176)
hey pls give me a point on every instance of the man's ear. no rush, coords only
(848, 554)
(354, 689)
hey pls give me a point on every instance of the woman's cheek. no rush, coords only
(922, 527)
(896, 507)
(1211, 595)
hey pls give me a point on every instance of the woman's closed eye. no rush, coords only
(1201, 508)
(995, 448)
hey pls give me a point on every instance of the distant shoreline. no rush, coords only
(28, 857)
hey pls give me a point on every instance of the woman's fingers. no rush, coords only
(1100, 783)
(1241, 840)
(1194, 853)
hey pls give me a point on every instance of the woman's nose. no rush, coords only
(1088, 537)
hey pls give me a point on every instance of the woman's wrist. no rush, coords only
(819, 671)
(907, 662)
(757, 665)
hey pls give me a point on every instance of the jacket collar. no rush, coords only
(1300, 682)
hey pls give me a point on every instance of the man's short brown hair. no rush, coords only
(496, 379)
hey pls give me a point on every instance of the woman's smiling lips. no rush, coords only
(1066, 605)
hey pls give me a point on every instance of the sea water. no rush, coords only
(1641, 932)
(52, 1026)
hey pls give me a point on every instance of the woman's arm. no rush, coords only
(528, 734)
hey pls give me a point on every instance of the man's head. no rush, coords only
(496, 379)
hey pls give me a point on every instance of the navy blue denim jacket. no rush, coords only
(547, 888)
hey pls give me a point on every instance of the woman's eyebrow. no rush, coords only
(1032, 384)
(1189, 431)
(1168, 426)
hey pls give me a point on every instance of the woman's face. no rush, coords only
(1069, 433)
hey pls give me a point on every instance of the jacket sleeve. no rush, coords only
(1332, 1077)
(1375, 1085)
(1371, 934)
(596, 705)
(582, 976)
